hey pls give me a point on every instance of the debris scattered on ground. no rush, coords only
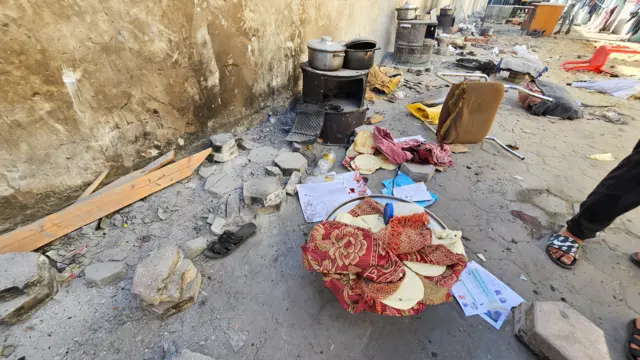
(206, 171)
(166, 283)
(274, 171)
(195, 247)
(236, 339)
(246, 144)
(402, 179)
(164, 214)
(223, 143)
(458, 148)
(523, 278)
(265, 195)
(189, 355)
(555, 331)
(263, 155)
(233, 206)
(622, 88)
(294, 180)
(513, 147)
(418, 172)
(290, 162)
(518, 177)
(221, 183)
(481, 257)
(217, 225)
(383, 79)
(602, 157)
(611, 115)
(105, 274)
(26, 284)
(319, 199)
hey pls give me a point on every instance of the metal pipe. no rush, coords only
(504, 147)
(539, 96)
(443, 74)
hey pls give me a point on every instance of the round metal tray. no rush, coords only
(434, 224)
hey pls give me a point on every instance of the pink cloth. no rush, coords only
(434, 154)
(414, 150)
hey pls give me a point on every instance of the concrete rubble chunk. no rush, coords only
(555, 331)
(206, 171)
(289, 162)
(294, 180)
(274, 171)
(195, 247)
(233, 206)
(418, 172)
(105, 274)
(266, 195)
(262, 155)
(226, 156)
(27, 281)
(190, 355)
(246, 144)
(236, 339)
(217, 225)
(223, 142)
(166, 282)
(117, 220)
(222, 183)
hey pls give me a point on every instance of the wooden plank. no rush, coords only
(93, 185)
(155, 165)
(45, 230)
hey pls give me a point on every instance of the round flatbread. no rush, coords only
(426, 269)
(364, 143)
(366, 164)
(386, 165)
(411, 291)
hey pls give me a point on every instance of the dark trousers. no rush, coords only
(616, 194)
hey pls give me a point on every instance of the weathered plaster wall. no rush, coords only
(147, 73)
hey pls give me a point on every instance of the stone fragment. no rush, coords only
(206, 171)
(105, 274)
(27, 282)
(218, 224)
(233, 206)
(210, 219)
(222, 183)
(195, 247)
(117, 220)
(262, 155)
(418, 172)
(289, 162)
(224, 157)
(246, 144)
(189, 355)
(555, 331)
(274, 171)
(294, 180)
(236, 339)
(263, 192)
(222, 143)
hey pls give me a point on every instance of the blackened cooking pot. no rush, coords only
(360, 54)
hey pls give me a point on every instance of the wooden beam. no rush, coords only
(93, 185)
(45, 230)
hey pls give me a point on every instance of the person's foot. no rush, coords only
(636, 338)
(559, 254)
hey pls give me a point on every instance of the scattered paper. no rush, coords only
(481, 257)
(319, 199)
(602, 157)
(480, 293)
(523, 278)
(518, 177)
(403, 179)
(417, 137)
(413, 192)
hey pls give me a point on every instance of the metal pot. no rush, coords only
(360, 54)
(325, 54)
(407, 11)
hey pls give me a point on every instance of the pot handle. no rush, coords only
(338, 54)
(376, 49)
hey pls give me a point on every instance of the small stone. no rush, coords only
(294, 180)
(103, 223)
(164, 214)
(233, 206)
(418, 172)
(236, 339)
(115, 254)
(210, 219)
(246, 144)
(222, 143)
(195, 247)
(290, 162)
(222, 183)
(263, 192)
(224, 157)
(117, 220)
(105, 274)
(274, 171)
(262, 155)
(555, 331)
(7, 350)
(54, 255)
(217, 225)
(206, 171)
(189, 355)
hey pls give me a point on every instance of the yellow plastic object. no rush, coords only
(427, 114)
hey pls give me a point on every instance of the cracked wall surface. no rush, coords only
(140, 75)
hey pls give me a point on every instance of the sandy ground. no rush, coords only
(262, 294)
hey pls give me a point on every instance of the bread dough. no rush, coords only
(452, 239)
(411, 291)
(426, 269)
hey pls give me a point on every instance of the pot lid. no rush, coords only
(407, 6)
(325, 43)
(361, 40)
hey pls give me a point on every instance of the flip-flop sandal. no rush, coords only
(565, 244)
(229, 241)
(632, 353)
(634, 258)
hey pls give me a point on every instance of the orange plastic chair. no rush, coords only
(598, 60)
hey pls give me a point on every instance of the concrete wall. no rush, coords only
(141, 75)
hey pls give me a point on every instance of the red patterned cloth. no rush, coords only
(411, 150)
(432, 153)
(362, 268)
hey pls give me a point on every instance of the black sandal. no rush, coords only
(633, 354)
(565, 244)
(229, 241)
(634, 259)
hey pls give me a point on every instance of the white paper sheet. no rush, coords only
(416, 137)
(481, 293)
(413, 192)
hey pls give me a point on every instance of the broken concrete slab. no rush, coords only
(236, 339)
(233, 206)
(555, 331)
(294, 180)
(223, 142)
(226, 156)
(222, 183)
(274, 171)
(262, 155)
(289, 162)
(105, 274)
(206, 171)
(418, 172)
(27, 281)
(263, 192)
(195, 247)
(246, 144)
(217, 225)
(190, 355)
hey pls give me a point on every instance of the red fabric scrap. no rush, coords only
(432, 153)
(411, 150)
(386, 145)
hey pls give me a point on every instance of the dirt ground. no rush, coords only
(262, 297)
